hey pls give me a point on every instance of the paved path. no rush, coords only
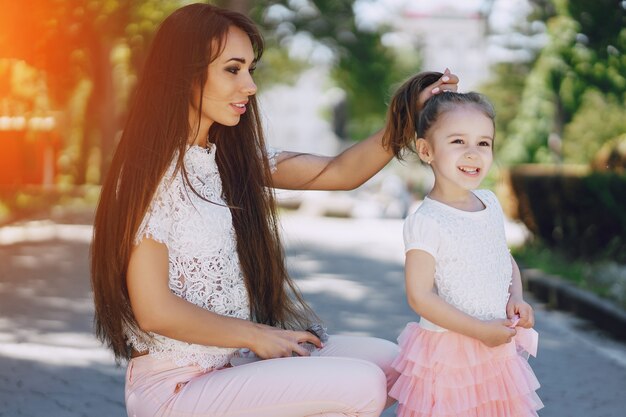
(349, 270)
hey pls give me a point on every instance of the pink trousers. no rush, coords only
(350, 376)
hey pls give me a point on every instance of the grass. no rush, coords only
(536, 255)
(604, 277)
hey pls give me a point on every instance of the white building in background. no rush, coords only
(298, 117)
(449, 33)
(467, 36)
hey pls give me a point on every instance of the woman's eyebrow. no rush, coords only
(241, 60)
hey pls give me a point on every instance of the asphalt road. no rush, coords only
(350, 271)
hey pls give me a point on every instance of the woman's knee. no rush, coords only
(385, 351)
(368, 382)
(379, 351)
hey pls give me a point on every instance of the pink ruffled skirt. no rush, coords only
(449, 374)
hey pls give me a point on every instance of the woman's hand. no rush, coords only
(448, 82)
(270, 342)
(496, 332)
(517, 306)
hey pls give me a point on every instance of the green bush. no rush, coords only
(611, 156)
(581, 213)
(597, 123)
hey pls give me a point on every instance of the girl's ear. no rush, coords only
(424, 151)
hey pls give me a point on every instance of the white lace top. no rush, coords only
(203, 263)
(472, 263)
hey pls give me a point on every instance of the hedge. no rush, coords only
(580, 212)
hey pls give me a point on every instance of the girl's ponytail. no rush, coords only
(403, 113)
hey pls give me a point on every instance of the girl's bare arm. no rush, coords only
(420, 279)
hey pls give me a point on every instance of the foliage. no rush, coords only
(580, 213)
(599, 120)
(604, 277)
(59, 36)
(22, 88)
(504, 90)
(70, 203)
(584, 52)
(541, 110)
(74, 42)
(537, 255)
(611, 156)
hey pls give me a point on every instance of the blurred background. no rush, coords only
(555, 71)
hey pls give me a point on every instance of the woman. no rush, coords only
(187, 267)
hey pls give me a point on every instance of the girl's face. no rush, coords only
(459, 148)
(229, 83)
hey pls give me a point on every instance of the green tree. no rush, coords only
(504, 91)
(584, 52)
(74, 43)
(599, 119)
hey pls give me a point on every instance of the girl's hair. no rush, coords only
(406, 122)
(156, 131)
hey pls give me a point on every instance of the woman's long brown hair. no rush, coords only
(156, 131)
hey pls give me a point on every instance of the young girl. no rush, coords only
(464, 356)
(187, 267)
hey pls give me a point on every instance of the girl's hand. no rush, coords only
(271, 342)
(448, 82)
(517, 306)
(496, 332)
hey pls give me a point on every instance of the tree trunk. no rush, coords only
(101, 122)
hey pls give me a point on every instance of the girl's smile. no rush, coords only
(469, 170)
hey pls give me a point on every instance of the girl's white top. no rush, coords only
(204, 267)
(473, 268)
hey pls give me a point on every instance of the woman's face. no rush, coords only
(229, 83)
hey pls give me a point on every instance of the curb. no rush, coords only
(559, 294)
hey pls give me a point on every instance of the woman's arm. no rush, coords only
(352, 167)
(346, 171)
(420, 278)
(158, 310)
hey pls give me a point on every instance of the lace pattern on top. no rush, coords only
(472, 263)
(272, 156)
(203, 263)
